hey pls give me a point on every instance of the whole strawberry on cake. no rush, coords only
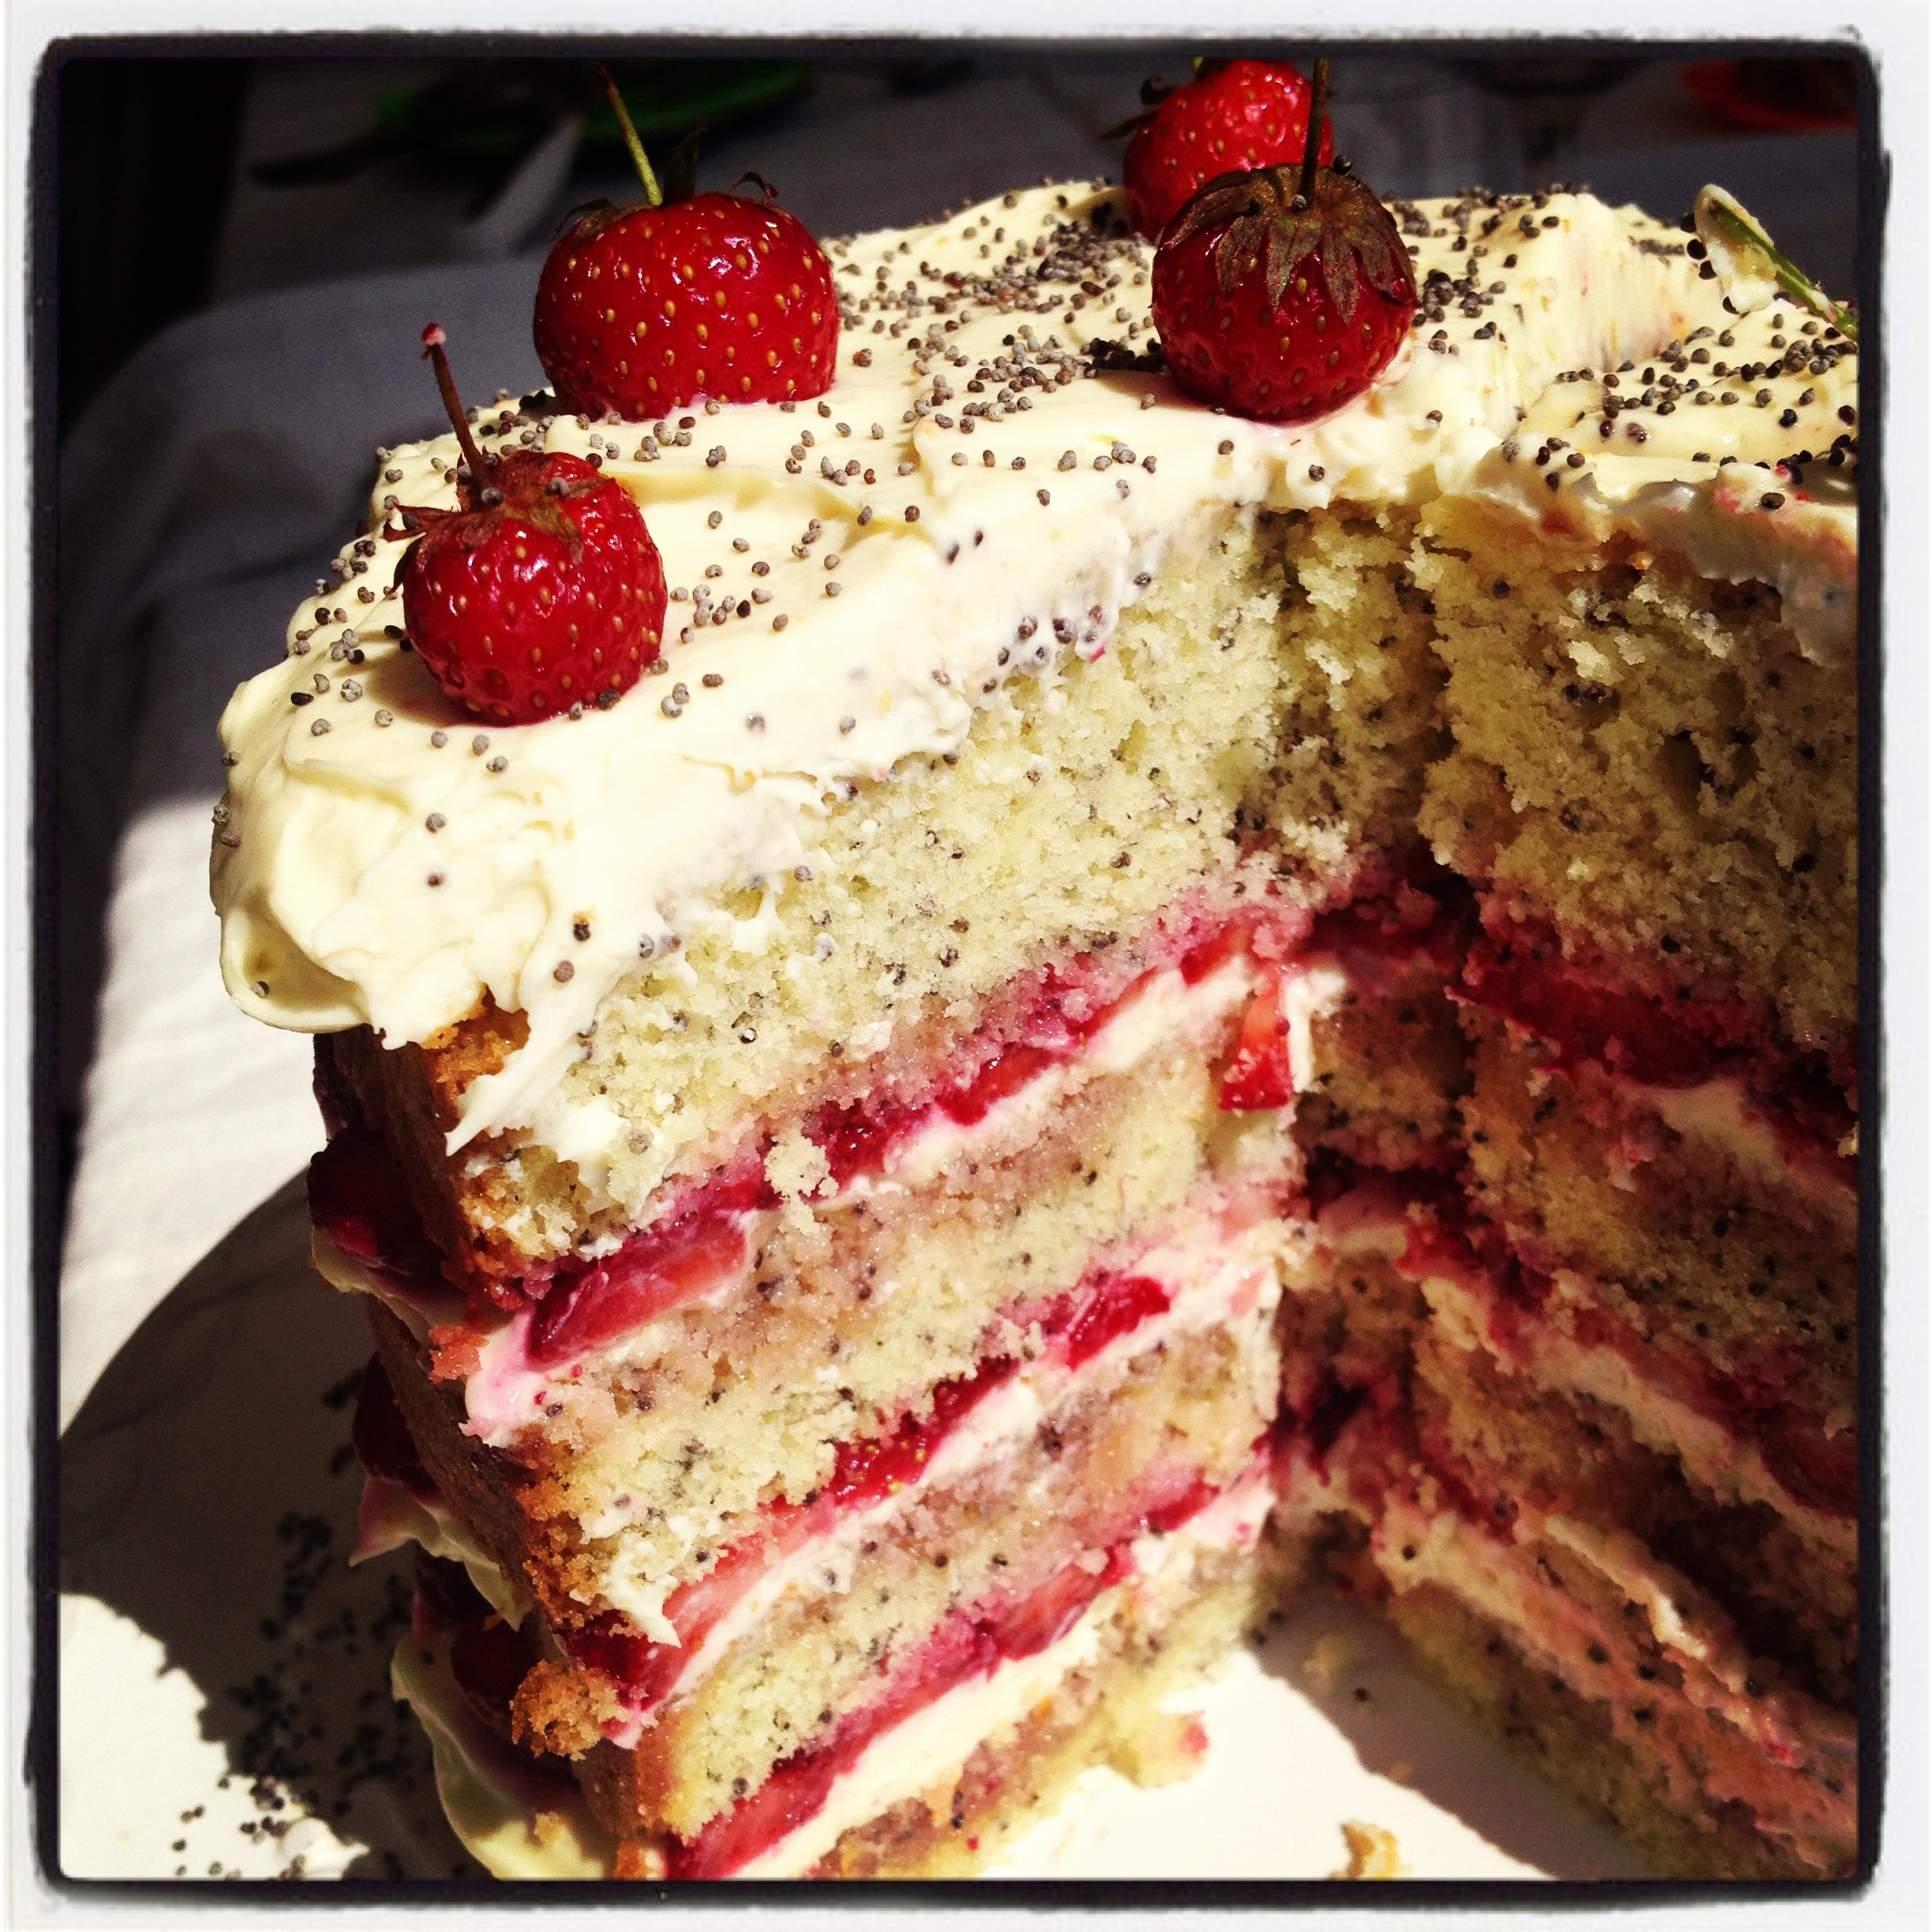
(1212, 946)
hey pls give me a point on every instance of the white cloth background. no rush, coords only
(201, 496)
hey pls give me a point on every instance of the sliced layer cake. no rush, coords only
(1143, 1009)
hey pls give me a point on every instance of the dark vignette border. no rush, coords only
(41, 1764)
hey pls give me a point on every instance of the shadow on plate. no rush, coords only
(1355, 1668)
(209, 1492)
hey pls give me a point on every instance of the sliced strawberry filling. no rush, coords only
(967, 1644)
(1619, 1029)
(690, 1252)
(866, 1471)
(381, 1437)
(1260, 1075)
(1047, 1020)
(361, 1200)
(1099, 1310)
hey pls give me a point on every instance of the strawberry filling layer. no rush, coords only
(1051, 1019)
(1048, 1020)
(867, 1471)
(1586, 1014)
(489, 1660)
(1753, 1408)
(967, 1644)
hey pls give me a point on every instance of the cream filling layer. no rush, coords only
(1719, 1115)
(1712, 1455)
(933, 1746)
(515, 1824)
(631, 823)
(1779, 1751)
(1161, 1016)
(1215, 1281)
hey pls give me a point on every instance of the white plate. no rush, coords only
(225, 1710)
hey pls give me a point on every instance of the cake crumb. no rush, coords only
(1374, 1852)
(797, 1169)
(1167, 1749)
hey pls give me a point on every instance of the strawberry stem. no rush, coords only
(652, 191)
(1311, 157)
(433, 339)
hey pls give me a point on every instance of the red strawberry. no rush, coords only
(383, 1443)
(544, 591)
(1240, 114)
(1281, 293)
(1258, 1073)
(490, 1661)
(648, 308)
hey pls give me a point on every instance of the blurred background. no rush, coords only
(185, 182)
(242, 252)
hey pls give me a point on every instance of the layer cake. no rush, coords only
(1144, 1009)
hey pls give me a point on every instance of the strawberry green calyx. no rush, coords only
(1267, 222)
(540, 590)
(1293, 213)
(486, 490)
(1284, 291)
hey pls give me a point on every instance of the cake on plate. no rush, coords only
(1143, 1009)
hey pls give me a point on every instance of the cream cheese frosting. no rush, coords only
(1735, 453)
(982, 490)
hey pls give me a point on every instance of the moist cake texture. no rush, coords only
(1144, 1009)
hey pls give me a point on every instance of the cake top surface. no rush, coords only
(989, 482)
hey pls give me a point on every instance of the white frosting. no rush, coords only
(634, 822)
(1696, 483)
(390, 1515)
(513, 1820)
